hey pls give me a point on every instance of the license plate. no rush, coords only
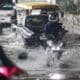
(42, 38)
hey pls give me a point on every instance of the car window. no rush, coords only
(6, 6)
(36, 20)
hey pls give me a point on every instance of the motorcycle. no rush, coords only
(54, 50)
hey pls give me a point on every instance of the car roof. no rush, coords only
(36, 5)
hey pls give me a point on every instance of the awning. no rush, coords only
(35, 5)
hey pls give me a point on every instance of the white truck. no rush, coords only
(7, 12)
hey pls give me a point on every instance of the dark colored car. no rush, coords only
(36, 23)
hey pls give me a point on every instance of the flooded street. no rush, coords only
(13, 46)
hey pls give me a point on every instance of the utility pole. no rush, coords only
(14, 18)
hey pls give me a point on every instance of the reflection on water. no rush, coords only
(65, 75)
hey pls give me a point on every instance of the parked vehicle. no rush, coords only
(7, 68)
(7, 13)
(35, 23)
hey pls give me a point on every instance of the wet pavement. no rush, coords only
(36, 62)
(13, 46)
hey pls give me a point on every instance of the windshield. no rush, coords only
(6, 6)
(36, 20)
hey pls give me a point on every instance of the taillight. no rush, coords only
(9, 72)
(4, 71)
(17, 74)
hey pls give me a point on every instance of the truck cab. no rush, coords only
(7, 12)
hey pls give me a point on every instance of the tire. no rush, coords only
(50, 62)
(50, 59)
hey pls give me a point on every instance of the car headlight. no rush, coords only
(58, 48)
(53, 48)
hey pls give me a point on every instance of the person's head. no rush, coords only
(53, 17)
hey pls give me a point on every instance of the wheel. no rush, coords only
(50, 58)
(50, 61)
(57, 58)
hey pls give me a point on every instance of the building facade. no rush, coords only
(66, 5)
(70, 5)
